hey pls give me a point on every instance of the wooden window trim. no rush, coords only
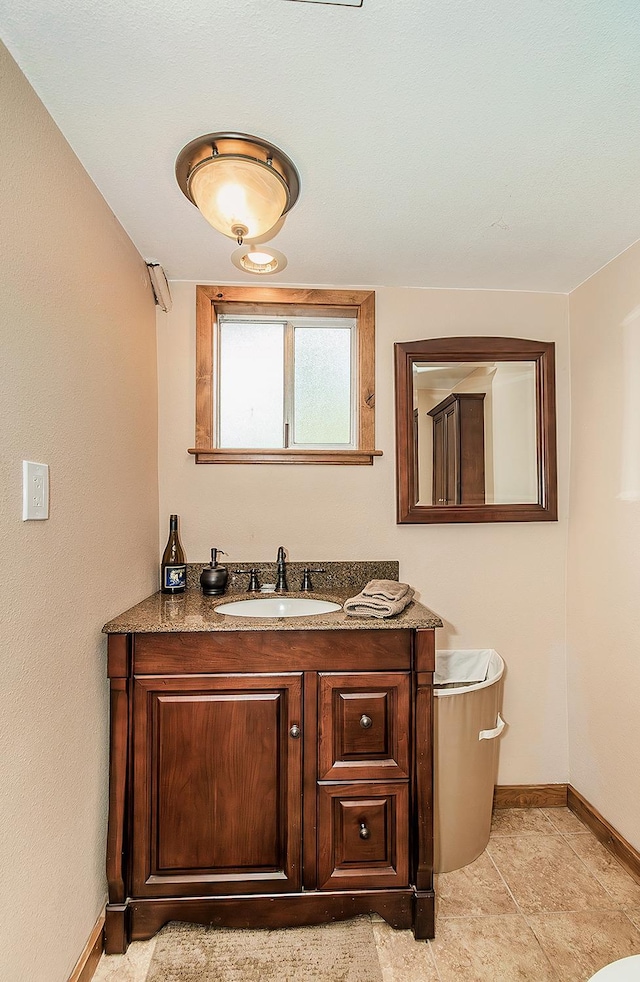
(211, 301)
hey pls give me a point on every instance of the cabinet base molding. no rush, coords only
(424, 915)
(530, 796)
(608, 836)
(116, 929)
(88, 961)
(141, 919)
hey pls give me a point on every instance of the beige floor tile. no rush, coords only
(489, 949)
(606, 869)
(581, 943)
(564, 820)
(402, 958)
(474, 889)
(544, 874)
(634, 917)
(130, 967)
(520, 821)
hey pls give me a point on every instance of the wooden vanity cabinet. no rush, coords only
(264, 779)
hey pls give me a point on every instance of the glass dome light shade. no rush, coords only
(236, 192)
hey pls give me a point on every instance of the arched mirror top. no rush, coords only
(475, 430)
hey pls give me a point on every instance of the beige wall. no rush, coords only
(603, 609)
(499, 586)
(79, 393)
(513, 433)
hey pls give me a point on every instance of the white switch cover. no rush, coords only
(35, 490)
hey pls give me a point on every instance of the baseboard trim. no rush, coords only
(88, 961)
(605, 832)
(530, 795)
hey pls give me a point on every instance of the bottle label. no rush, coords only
(175, 577)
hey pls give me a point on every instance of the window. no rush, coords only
(284, 376)
(285, 383)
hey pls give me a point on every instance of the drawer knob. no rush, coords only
(295, 731)
(364, 831)
(366, 722)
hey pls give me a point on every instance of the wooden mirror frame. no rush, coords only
(479, 349)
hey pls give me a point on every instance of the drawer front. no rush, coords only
(364, 836)
(363, 726)
(271, 651)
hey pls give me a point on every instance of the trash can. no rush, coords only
(467, 722)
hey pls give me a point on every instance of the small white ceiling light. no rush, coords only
(242, 184)
(258, 259)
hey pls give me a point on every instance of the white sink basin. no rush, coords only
(277, 607)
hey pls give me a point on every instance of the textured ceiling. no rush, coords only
(488, 144)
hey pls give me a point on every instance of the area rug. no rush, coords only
(341, 952)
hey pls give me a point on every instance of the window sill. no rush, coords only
(211, 455)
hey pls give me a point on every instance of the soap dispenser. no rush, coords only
(213, 578)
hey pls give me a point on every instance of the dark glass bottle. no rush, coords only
(174, 565)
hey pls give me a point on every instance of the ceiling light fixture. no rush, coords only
(242, 184)
(258, 259)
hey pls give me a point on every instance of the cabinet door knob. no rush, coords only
(364, 831)
(366, 722)
(295, 731)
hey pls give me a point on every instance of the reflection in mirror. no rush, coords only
(485, 414)
(475, 424)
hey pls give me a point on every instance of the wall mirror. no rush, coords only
(475, 430)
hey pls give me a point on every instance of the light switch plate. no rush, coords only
(35, 490)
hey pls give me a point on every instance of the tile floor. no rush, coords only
(545, 902)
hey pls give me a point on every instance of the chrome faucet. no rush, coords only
(281, 578)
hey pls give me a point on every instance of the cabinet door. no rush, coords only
(452, 450)
(445, 456)
(217, 785)
(439, 460)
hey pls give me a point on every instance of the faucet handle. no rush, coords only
(254, 583)
(307, 585)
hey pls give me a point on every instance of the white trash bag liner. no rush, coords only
(463, 665)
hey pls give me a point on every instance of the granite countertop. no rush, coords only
(335, 581)
(191, 611)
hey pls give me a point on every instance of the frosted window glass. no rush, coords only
(322, 387)
(251, 385)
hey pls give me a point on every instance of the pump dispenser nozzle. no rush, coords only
(214, 556)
